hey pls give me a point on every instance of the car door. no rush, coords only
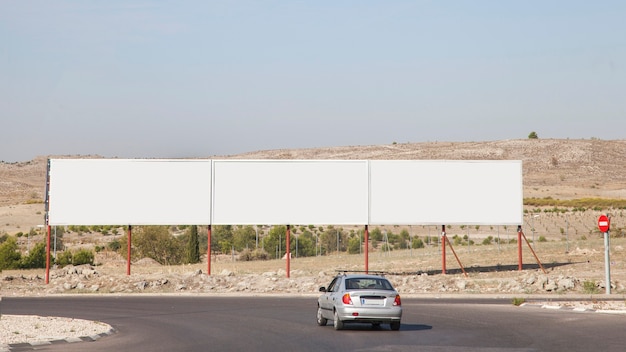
(326, 301)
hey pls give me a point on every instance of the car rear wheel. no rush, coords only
(395, 326)
(337, 323)
(321, 321)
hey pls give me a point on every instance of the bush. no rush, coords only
(63, 259)
(250, 255)
(417, 243)
(354, 245)
(518, 301)
(114, 245)
(9, 256)
(36, 259)
(83, 256)
(590, 287)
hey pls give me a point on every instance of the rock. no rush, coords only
(566, 284)
(551, 286)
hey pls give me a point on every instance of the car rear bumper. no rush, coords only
(359, 314)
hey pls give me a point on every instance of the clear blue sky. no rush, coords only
(205, 78)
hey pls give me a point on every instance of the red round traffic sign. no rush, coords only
(604, 223)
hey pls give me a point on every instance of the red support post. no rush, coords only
(48, 256)
(519, 248)
(130, 230)
(367, 249)
(288, 253)
(443, 249)
(208, 254)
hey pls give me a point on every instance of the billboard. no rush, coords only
(281, 192)
(305, 192)
(129, 192)
(441, 192)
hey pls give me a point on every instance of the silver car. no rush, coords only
(359, 298)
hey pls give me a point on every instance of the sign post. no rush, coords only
(604, 223)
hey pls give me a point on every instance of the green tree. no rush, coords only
(193, 246)
(154, 242)
(244, 237)
(36, 258)
(376, 235)
(306, 244)
(275, 239)
(533, 135)
(222, 238)
(9, 256)
(354, 245)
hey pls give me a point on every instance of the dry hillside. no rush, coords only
(557, 168)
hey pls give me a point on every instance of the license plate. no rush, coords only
(372, 302)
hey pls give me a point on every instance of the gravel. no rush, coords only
(36, 329)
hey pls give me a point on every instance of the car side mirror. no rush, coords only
(322, 289)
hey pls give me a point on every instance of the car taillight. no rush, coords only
(346, 299)
(397, 301)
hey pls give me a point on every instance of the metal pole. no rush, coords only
(607, 264)
(443, 249)
(519, 248)
(367, 250)
(48, 257)
(208, 256)
(128, 249)
(288, 250)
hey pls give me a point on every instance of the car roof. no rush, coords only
(361, 276)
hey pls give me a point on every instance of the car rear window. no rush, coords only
(368, 283)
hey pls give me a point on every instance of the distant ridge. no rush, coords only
(557, 168)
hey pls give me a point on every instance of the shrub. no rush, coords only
(36, 259)
(590, 287)
(114, 245)
(354, 245)
(83, 256)
(9, 256)
(518, 301)
(63, 259)
(250, 255)
(417, 243)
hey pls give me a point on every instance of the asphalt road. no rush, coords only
(201, 323)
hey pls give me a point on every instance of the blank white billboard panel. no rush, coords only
(446, 192)
(290, 192)
(129, 192)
